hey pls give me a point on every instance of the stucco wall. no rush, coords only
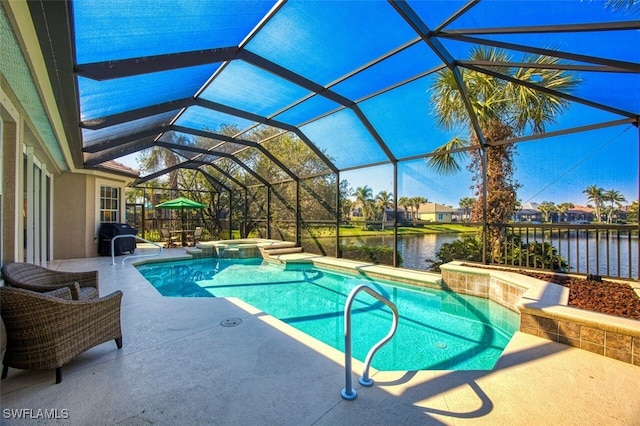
(71, 216)
(75, 213)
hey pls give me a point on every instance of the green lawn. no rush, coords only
(431, 228)
(357, 231)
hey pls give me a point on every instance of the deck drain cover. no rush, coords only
(231, 322)
(440, 345)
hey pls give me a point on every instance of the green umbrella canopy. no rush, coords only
(181, 203)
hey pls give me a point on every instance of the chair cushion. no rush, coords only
(60, 293)
(88, 293)
(76, 291)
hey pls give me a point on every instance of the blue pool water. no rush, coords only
(437, 330)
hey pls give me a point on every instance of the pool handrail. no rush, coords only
(348, 392)
(113, 258)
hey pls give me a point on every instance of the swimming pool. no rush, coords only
(437, 330)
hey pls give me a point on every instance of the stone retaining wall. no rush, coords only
(544, 312)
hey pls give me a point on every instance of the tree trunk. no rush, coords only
(501, 186)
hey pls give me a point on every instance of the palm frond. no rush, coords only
(445, 160)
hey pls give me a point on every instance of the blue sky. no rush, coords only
(555, 169)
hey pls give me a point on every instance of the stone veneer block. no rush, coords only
(620, 355)
(529, 321)
(618, 341)
(549, 335)
(592, 347)
(529, 330)
(570, 330)
(570, 341)
(549, 325)
(592, 335)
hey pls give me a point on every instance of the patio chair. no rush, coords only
(197, 234)
(169, 239)
(47, 330)
(83, 285)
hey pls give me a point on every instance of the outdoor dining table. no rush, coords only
(185, 235)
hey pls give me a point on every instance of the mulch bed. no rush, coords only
(606, 297)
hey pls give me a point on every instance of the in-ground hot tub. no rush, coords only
(240, 249)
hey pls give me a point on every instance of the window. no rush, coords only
(109, 204)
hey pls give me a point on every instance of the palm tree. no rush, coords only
(503, 109)
(466, 203)
(364, 200)
(384, 200)
(547, 208)
(614, 197)
(406, 205)
(632, 212)
(158, 158)
(346, 205)
(416, 202)
(595, 194)
(562, 209)
(628, 6)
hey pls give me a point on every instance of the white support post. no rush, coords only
(44, 214)
(28, 192)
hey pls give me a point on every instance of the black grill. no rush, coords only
(120, 245)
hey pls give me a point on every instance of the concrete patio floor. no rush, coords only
(179, 365)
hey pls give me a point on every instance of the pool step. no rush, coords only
(266, 252)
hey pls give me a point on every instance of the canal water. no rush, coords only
(415, 249)
(581, 252)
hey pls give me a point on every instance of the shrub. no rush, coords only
(535, 255)
(467, 247)
(518, 253)
(152, 235)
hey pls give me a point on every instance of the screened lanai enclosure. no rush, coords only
(284, 109)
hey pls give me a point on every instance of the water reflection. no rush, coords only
(415, 249)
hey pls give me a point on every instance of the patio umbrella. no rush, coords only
(181, 203)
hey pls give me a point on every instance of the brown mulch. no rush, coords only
(606, 297)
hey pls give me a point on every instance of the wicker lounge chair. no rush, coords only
(47, 330)
(83, 285)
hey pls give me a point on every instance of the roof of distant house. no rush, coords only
(435, 208)
(578, 209)
(117, 167)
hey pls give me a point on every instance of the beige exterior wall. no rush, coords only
(434, 212)
(69, 217)
(76, 215)
(11, 214)
(433, 217)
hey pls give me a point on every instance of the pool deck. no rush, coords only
(180, 365)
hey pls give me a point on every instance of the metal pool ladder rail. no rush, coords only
(113, 258)
(348, 392)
